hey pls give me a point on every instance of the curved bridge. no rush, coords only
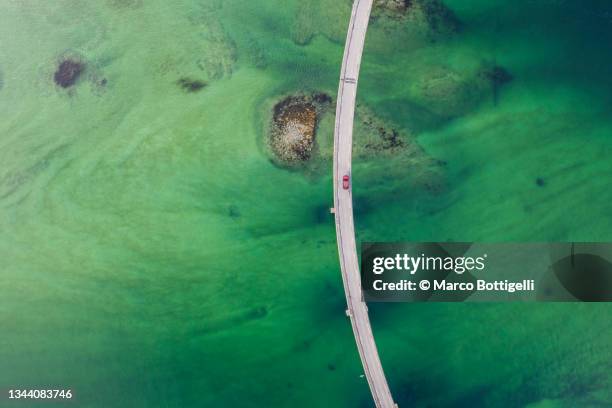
(343, 206)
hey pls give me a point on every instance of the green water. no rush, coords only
(151, 255)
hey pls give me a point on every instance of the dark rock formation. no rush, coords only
(233, 211)
(439, 16)
(374, 136)
(68, 72)
(191, 85)
(497, 75)
(321, 213)
(322, 98)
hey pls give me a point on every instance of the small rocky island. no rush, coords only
(294, 126)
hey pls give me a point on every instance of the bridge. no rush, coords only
(357, 309)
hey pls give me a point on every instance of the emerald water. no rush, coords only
(151, 254)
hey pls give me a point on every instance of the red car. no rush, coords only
(345, 182)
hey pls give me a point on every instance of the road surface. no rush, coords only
(343, 206)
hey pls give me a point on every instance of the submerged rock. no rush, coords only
(374, 137)
(322, 98)
(294, 125)
(497, 75)
(449, 93)
(431, 15)
(233, 211)
(217, 52)
(397, 6)
(438, 15)
(191, 85)
(68, 72)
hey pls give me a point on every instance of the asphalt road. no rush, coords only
(343, 205)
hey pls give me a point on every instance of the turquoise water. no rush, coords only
(151, 255)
